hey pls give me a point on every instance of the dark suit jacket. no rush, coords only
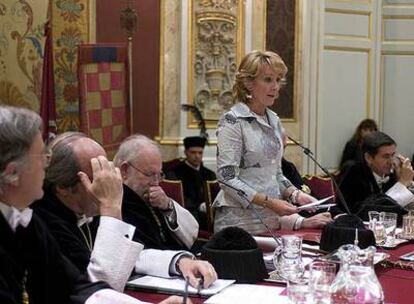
(148, 232)
(193, 187)
(357, 182)
(51, 277)
(62, 223)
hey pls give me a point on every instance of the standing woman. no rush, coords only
(249, 152)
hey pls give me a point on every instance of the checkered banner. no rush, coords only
(103, 86)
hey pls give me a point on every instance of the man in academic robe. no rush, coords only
(381, 171)
(82, 183)
(160, 222)
(33, 269)
(193, 175)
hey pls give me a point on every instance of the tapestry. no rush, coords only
(21, 52)
(103, 79)
(70, 28)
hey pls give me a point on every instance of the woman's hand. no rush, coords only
(281, 207)
(303, 198)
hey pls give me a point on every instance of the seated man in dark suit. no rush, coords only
(381, 171)
(193, 174)
(32, 267)
(160, 222)
(82, 183)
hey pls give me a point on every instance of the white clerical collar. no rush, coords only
(191, 166)
(15, 217)
(83, 219)
(380, 180)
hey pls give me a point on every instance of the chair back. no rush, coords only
(170, 165)
(173, 189)
(212, 188)
(321, 187)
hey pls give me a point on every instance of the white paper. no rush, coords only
(309, 206)
(177, 285)
(246, 293)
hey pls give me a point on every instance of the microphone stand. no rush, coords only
(309, 153)
(243, 195)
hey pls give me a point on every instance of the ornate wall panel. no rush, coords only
(21, 52)
(70, 28)
(216, 29)
(280, 38)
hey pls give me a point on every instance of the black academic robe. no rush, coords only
(357, 182)
(62, 223)
(51, 278)
(193, 187)
(152, 229)
(291, 173)
(352, 153)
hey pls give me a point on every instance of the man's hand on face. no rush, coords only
(106, 186)
(157, 198)
(405, 172)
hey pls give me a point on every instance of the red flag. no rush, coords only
(47, 103)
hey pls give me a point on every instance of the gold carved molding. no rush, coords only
(216, 45)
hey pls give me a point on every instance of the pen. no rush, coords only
(187, 282)
(200, 285)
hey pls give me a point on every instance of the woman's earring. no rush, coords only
(249, 96)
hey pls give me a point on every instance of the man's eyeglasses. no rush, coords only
(153, 176)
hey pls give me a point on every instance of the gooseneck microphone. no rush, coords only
(243, 195)
(338, 191)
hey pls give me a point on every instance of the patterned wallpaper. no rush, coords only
(21, 51)
(70, 27)
(21, 54)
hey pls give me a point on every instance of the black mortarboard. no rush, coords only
(194, 141)
(342, 231)
(234, 254)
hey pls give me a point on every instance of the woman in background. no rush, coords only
(352, 151)
(249, 152)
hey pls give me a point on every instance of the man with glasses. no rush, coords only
(80, 184)
(380, 171)
(32, 266)
(160, 222)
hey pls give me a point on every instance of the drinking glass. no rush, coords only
(389, 221)
(298, 291)
(408, 226)
(288, 258)
(321, 276)
(377, 226)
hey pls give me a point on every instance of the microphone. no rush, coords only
(309, 153)
(243, 195)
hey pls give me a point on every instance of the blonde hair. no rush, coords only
(251, 66)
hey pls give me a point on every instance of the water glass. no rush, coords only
(389, 221)
(408, 226)
(321, 276)
(377, 226)
(298, 291)
(288, 258)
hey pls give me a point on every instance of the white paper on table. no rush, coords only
(177, 285)
(247, 293)
(309, 206)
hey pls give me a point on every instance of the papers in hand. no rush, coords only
(314, 205)
(176, 285)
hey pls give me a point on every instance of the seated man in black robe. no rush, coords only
(160, 222)
(32, 267)
(82, 183)
(193, 174)
(377, 173)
